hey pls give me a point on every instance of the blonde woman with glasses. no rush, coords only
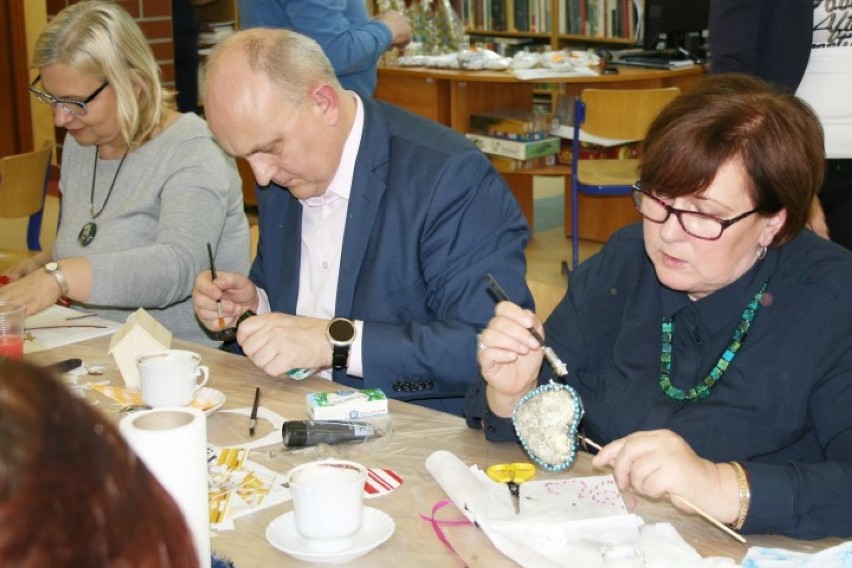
(144, 188)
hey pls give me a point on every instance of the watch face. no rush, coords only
(341, 330)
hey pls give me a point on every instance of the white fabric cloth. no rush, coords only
(839, 556)
(580, 521)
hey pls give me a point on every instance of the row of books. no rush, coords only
(518, 140)
(211, 33)
(594, 18)
(598, 18)
(505, 15)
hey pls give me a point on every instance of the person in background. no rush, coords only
(711, 344)
(72, 492)
(185, 36)
(352, 40)
(805, 47)
(383, 221)
(144, 188)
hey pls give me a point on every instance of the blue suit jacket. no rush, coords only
(428, 218)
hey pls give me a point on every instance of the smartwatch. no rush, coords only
(341, 335)
(55, 270)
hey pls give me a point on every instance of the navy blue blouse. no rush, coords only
(784, 406)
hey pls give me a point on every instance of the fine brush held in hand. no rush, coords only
(213, 276)
(552, 358)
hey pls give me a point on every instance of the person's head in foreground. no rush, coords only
(72, 492)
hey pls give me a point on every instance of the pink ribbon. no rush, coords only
(436, 526)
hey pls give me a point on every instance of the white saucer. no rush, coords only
(377, 528)
(208, 400)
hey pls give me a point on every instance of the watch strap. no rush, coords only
(340, 356)
(59, 276)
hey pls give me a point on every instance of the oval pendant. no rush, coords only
(87, 233)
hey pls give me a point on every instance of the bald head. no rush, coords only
(294, 63)
(271, 97)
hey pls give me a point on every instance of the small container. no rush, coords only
(11, 330)
(347, 404)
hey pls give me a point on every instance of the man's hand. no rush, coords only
(399, 27)
(234, 291)
(279, 342)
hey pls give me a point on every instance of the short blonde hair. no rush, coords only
(293, 62)
(101, 39)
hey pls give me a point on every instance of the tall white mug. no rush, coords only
(171, 377)
(328, 502)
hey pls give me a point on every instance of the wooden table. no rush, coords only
(417, 433)
(451, 96)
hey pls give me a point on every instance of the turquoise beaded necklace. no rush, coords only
(703, 388)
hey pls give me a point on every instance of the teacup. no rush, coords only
(171, 377)
(328, 502)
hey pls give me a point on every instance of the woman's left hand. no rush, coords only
(36, 291)
(660, 463)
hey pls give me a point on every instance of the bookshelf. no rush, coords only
(509, 26)
(551, 24)
(217, 11)
(451, 96)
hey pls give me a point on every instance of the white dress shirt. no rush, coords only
(323, 225)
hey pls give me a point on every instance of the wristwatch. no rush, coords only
(341, 335)
(55, 270)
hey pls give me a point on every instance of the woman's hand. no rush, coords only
(660, 463)
(27, 266)
(509, 356)
(36, 291)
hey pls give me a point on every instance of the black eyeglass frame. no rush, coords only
(53, 101)
(723, 223)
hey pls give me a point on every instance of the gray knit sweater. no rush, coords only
(173, 195)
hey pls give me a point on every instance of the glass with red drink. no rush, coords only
(11, 330)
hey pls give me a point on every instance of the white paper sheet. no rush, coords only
(538, 74)
(568, 522)
(67, 331)
(566, 131)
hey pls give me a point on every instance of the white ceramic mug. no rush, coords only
(170, 377)
(328, 502)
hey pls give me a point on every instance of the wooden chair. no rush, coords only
(546, 296)
(254, 236)
(23, 184)
(623, 114)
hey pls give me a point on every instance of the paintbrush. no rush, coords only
(552, 358)
(213, 275)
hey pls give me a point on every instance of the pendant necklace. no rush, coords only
(703, 388)
(90, 229)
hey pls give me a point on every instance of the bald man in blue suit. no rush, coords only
(367, 213)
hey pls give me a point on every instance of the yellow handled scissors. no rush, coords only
(512, 474)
